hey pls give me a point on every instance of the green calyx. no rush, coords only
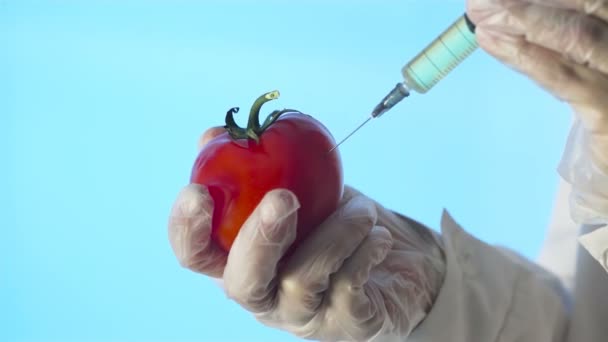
(254, 129)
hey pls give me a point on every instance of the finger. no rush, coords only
(597, 8)
(190, 232)
(306, 275)
(348, 194)
(481, 11)
(208, 135)
(567, 80)
(352, 296)
(249, 276)
(581, 38)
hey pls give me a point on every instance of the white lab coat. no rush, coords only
(491, 294)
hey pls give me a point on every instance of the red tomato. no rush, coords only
(289, 151)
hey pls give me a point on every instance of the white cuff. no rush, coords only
(589, 197)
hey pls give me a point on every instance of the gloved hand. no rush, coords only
(563, 46)
(365, 274)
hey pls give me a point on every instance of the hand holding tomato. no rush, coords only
(362, 271)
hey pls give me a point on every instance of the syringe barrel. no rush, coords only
(440, 57)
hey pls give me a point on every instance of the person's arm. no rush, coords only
(561, 45)
(580, 267)
(369, 274)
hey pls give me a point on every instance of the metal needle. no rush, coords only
(351, 133)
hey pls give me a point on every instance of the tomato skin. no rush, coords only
(291, 154)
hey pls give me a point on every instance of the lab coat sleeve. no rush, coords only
(589, 321)
(559, 250)
(581, 267)
(595, 243)
(491, 294)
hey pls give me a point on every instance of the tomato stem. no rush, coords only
(254, 130)
(231, 126)
(254, 113)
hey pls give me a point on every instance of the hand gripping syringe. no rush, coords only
(431, 65)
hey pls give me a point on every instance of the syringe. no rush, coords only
(431, 65)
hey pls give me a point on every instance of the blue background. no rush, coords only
(102, 103)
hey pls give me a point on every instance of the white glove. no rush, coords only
(563, 46)
(365, 274)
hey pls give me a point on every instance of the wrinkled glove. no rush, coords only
(563, 46)
(365, 274)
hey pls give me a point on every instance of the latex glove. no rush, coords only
(563, 46)
(364, 274)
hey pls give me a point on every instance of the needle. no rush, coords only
(398, 93)
(351, 133)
